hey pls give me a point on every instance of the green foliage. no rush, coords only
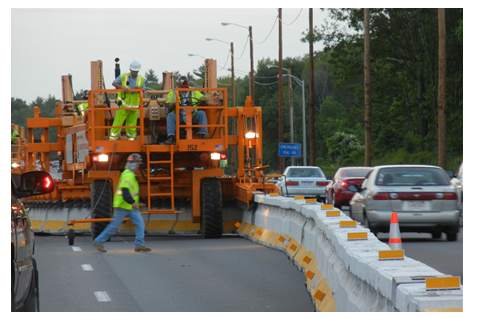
(343, 147)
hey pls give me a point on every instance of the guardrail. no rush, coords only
(344, 274)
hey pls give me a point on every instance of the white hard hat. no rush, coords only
(135, 66)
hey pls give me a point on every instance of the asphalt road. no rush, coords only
(181, 274)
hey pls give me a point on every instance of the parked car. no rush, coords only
(458, 182)
(337, 193)
(422, 196)
(308, 181)
(25, 290)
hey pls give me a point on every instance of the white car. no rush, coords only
(307, 181)
(422, 196)
(458, 182)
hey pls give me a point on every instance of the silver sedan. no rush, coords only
(422, 196)
(307, 181)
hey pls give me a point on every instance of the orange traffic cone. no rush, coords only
(395, 241)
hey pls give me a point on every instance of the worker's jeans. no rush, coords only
(119, 216)
(130, 117)
(198, 119)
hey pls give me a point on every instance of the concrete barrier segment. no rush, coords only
(358, 279)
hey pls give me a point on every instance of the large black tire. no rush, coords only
(101, 205)
(32, 303)
(211, 208)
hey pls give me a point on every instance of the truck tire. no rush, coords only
(32, 303)
(101, 205)
(211, 208)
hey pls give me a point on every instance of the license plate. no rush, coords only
(416, 205)
(307, 183)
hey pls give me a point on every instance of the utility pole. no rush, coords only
(442, 160)
(290, 98)
(280, 76)
(312, 99)
(252, 67)
(368, 125)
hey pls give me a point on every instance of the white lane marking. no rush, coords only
(87, 267)
(102, 296)
(76, 249)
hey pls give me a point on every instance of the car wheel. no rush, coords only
(451, 237)
(367, 223)
(32, 301)
(436, 235)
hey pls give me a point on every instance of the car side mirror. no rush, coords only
(35, 183)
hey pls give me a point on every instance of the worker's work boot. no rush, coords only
(171, 140)
(99, 247)
(206, 136)
(142, 248)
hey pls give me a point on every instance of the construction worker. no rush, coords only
(185, 99)
(127, 99)
(82, 107)
(14, 134)
(126, 204)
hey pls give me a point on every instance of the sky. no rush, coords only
(47, 43)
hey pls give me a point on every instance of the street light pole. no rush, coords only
(302, 84)
(251, 75)
(233, 127)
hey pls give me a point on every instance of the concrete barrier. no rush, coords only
(342, 274)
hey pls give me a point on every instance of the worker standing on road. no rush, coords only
(127, 99)
(185, 99)
(126, 204)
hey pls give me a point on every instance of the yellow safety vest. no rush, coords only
(127, 180)
(133, 99)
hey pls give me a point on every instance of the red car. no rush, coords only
(337, 193)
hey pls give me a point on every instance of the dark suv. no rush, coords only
(25, 291)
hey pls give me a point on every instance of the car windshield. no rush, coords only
(408, 176)
(356, 173)
(305, 173)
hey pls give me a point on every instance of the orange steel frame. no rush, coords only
(248, 180)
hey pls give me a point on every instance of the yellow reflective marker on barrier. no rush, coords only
(319, 295)
(274, 194)
(307, 260)
(332, 213)
(309, 274)
(299, 197)
(347, 223)
(237, 224)
(391, 255)
(359, 236)
(293, 247)
(442, 283)
(326, 206)
(259, 232)
(310, 201)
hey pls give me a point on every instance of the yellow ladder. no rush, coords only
(170, 178)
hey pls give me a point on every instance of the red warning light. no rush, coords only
(223, 156)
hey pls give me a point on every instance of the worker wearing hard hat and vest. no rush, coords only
(126, 204)
(185, 99)
(82, 107)
(126, 99)
(14, 134)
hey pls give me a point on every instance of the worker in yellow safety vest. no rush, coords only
(126, 204)
(82, 107)
(126, 99)
(192, 98)
(14, 134)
